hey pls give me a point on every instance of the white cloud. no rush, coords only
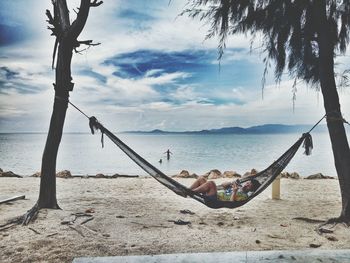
(134, 104)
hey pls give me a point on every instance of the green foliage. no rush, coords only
(290, 29)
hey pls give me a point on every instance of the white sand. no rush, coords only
(131, 218)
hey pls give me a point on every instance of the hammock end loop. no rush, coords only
(308, 145)
(94, 126)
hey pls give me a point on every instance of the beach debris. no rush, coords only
(312, 245)
(73, 217)
(180, 222)
(64, 174)
(148, 226)
(89, 229)
(81, 214)
(309, 220)
(318, 176)
(283, 225)
(186, 211)
(322, 230)
(90, 210)
(275, 236)
(51, 235)
(220, 223)
(121, 216)
(68, 221)
(106, 235)
(35, 231)
(86, 220)
(77, 230)
(7, 200)
(7, 226)
(9, 174)
(231, 174)
(332, 238)
(257, 241)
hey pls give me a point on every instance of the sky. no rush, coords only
(153, 70)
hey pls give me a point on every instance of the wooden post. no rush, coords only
(276, 189)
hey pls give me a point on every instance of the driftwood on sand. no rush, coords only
(14, 198)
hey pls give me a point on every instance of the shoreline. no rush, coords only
(212, 174)
(135, 216)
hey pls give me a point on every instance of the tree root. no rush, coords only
(31, 215)
(309, 220)
(337, 220)
(332, 222)
(25, 219)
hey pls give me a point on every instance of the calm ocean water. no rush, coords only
(82, 153)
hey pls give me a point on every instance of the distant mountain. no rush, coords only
(260, 129)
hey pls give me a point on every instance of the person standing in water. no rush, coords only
(168, 152)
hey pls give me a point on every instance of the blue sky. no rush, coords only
(153, 70)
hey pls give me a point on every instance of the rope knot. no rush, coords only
(307, 145)
(94, 126)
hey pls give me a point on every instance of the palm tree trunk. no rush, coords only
(335, 124)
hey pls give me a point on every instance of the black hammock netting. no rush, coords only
(265, 177)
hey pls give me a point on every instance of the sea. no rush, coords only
(82, 153)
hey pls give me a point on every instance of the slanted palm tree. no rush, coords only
(302, 37)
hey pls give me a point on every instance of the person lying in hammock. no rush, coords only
(228, 191)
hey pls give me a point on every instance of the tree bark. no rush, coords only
(66, 37)
(335, 124)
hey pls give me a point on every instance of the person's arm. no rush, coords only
(226, 185)
(234, 192)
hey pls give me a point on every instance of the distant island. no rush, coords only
(260, 129)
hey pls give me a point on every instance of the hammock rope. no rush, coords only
(265, 177)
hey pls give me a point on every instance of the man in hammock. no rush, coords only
(227, 191)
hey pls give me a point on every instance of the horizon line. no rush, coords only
(157, 129)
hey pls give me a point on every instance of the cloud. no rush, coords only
(152, 70)
(140, 62)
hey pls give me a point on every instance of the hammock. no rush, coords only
(265, 177)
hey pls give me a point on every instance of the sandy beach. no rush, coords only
(132, 216)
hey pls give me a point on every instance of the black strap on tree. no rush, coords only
(336, 116)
